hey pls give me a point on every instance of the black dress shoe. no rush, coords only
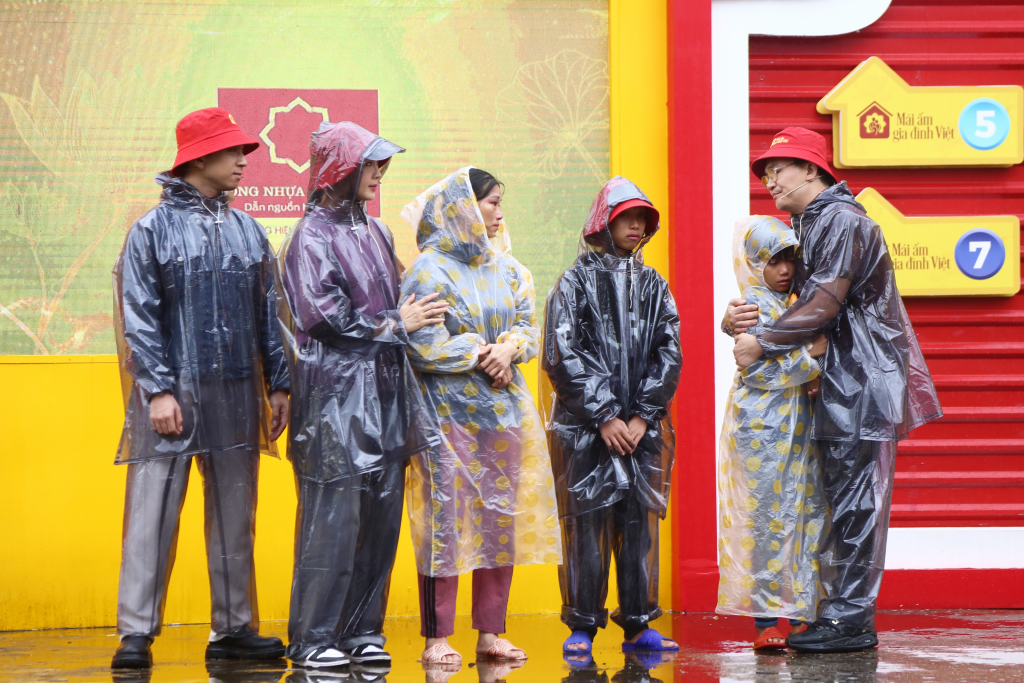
(244, 644)
(133, 653)
(833, 635)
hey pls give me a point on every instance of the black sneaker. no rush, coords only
(833, 635)
(244, 644)
(133, 653)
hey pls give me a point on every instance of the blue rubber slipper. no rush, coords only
(649, 641)
(576, 638)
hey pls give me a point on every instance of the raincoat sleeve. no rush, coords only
(663, 367)
(434, 348)
(275, 367)
(141, 299)
(784, 370)
(822, 297)
(578, 374)
(323, 307)
(524, 333)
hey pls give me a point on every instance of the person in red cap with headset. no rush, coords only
(204, 376)
(875, 386)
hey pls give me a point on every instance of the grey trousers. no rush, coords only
(153, 500)
(345, 544)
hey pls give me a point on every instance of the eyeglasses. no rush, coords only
(772, 174)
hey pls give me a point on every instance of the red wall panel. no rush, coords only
(968, 468)
(694, 528)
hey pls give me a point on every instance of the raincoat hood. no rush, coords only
(338, 149)
(596, 236)
(756, 240)
(447, 219)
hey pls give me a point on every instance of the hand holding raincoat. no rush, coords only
(771, 510)
(485, 497)
(195, 314)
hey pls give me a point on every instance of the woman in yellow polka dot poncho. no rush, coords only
(484, 500)
(771, 511)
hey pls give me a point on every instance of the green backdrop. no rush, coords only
(91, 92)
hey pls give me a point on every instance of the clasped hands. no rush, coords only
(496, 361)
(621, 437)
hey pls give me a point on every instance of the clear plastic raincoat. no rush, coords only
(485, 497)
(875, 387)
(875, 384)
(771, 511)
(356, 402)
(611, 349)
(195, 315)
(357, 412)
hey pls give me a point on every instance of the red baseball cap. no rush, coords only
(207, 131)
(795, 143)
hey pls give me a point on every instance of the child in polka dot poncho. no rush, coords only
(771, 513)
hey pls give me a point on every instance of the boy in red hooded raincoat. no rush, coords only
(612, 354)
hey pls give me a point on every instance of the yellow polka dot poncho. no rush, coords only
(771, 511)
(484, 498)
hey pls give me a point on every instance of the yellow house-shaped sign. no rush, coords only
(880, 120)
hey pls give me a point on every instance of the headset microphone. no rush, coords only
(797, 188)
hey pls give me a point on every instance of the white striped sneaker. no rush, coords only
(368, 653)
(322, 657)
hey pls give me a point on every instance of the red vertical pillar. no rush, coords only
(695, 571)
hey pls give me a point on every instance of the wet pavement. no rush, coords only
(940, 646)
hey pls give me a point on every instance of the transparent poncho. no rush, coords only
(356, 403)
(611, 349)
(195, 316)
(772, 517)
(485, 497)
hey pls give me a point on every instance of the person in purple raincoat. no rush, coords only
(358, 412)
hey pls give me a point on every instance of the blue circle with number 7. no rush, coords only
(979, 254)
(984, 124)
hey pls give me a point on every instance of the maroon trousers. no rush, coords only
(490, 602)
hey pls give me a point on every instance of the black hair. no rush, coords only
(788, 254)
(483, 183)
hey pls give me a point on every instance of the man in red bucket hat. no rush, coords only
(204, 376)
(875, 386)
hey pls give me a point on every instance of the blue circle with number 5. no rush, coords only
(979, 254)
(984, 124)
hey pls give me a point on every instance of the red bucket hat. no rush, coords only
(207, 131)
(795, 143)
(653, 218)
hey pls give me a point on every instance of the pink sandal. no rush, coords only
(504, 651)
(435, 654)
